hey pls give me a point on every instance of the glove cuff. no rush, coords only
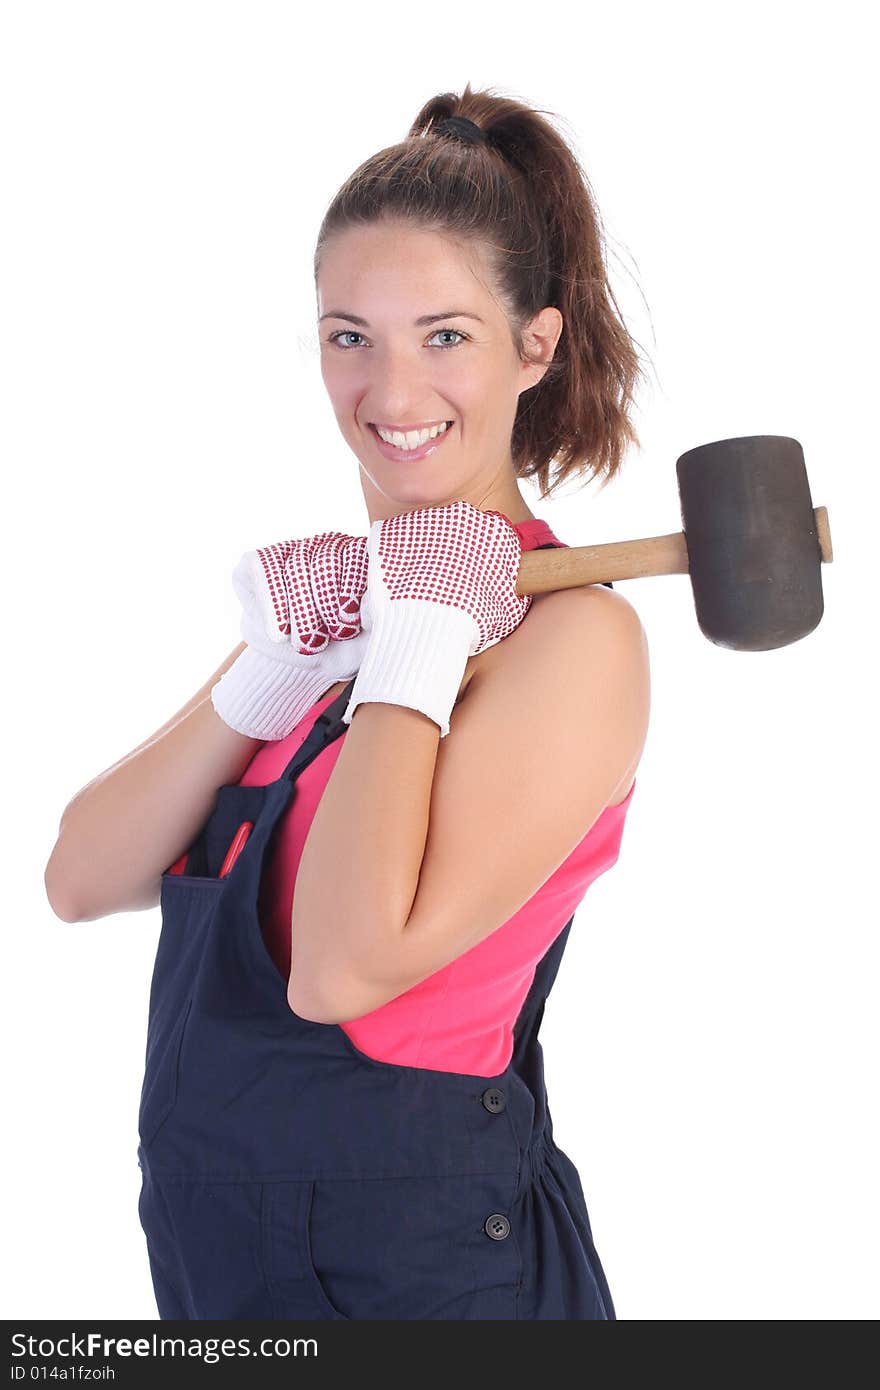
(264, 698)
(416, 657)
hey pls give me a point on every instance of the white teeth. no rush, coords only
(413, 439)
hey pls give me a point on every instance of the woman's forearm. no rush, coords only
(359, 872)
(126, 826)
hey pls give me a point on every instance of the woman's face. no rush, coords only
(381, 366)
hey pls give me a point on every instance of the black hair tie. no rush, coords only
(465, 129)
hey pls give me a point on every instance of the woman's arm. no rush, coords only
(359, 870)
(421, 847)
(121, 831)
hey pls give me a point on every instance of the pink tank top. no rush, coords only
(461, 1018)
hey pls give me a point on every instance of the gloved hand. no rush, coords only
(441, 586)
(301, 620)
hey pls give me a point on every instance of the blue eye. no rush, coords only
(351, 333)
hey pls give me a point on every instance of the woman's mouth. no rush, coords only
(389, 451)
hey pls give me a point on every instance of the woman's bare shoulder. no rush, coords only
(564, 633)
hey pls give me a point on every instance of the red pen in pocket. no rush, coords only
(239, 840)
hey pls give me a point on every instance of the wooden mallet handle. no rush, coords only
(540, 571)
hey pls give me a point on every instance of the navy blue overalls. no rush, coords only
(286, 1174)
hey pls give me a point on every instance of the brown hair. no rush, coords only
(525, 198)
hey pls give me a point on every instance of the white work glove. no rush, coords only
(301, 621)
(441, 586)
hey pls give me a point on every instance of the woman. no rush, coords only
(344, 1113)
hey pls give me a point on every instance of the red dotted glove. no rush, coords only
(308, 591)
(441, 586)
(301, 620)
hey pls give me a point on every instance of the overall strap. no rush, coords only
(326, 729)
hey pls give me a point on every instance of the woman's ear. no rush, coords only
(539, 340)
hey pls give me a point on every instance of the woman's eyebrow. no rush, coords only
(419, 323)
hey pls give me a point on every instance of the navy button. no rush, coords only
(494, 1100)
(497, 1226)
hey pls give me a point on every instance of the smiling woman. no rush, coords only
(357, 949)
(465, 381)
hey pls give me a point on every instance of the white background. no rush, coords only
(710, 1045)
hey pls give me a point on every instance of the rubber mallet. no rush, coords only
(752, 543)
